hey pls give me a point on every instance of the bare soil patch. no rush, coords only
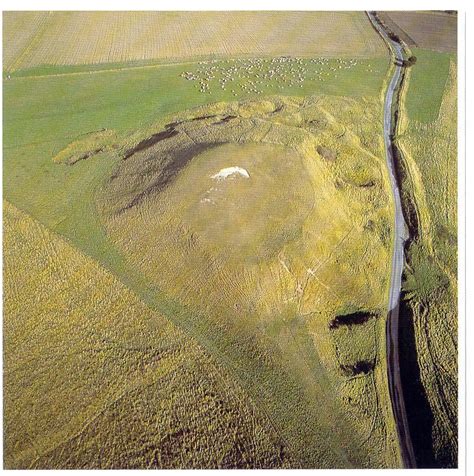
(431, 30)
(326, 153)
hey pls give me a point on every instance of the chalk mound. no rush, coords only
(230, 171)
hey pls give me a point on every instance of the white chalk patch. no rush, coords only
(230, 171)
(284, 265)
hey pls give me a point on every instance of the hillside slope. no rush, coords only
(430, 148)
(95, 379)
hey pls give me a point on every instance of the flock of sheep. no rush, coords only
(253, 75)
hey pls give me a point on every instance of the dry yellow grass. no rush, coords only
(95, 379)
(312, 201)
(65, 38)
(430, 150)
(266, 292)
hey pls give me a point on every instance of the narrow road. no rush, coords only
(400, 236)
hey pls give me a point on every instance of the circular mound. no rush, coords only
(242, 200)
(231, 208)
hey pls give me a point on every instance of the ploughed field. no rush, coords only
(196, 256)
(432, 30)
(74, 38)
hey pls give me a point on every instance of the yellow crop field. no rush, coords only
(70, 38)
(94, 379)
(19, 32)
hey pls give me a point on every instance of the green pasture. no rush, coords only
(427, 84)
(43, 114)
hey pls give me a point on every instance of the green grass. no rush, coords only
(49, 70)
(186, 63)
(427, 84)
(429, 144)
(43, 115)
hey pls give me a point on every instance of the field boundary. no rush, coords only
(227, 371)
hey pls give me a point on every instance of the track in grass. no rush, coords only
(269, 329)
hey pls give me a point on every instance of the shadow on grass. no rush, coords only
(420, 417)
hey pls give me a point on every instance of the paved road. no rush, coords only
(400, 235)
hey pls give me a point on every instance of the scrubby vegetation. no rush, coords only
(428, 139)
(86, 146)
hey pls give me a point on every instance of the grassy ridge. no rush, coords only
(430, 150)
(39, 123)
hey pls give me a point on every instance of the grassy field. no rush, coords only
(427, 85)
(430, 148)
(121, 386)
(39, 123)
(247, 278)
(59, 38)
(250, 314)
